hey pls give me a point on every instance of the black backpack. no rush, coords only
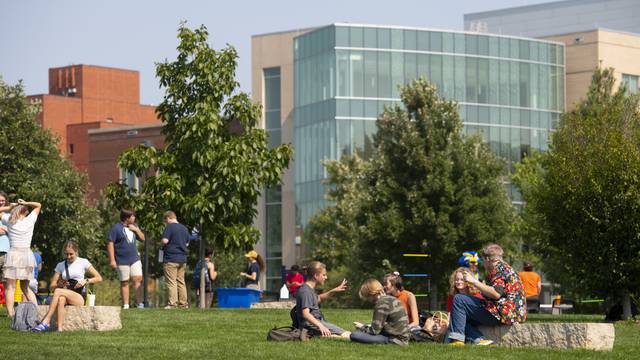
(287, 333)
(195, 283)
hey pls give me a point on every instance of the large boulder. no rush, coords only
(288, 304)
(96, 318)
(593, 336)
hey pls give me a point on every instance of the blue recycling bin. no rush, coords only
(237, 297)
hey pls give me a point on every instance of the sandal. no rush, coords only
(42, 327)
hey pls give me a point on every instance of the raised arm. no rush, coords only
(340, 288)
(137, 231)
(7, 208)
(32, 204)
(486, 290)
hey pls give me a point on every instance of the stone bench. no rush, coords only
(288, 304)
(592, 336)
(94, 318)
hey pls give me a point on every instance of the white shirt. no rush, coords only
(77, 269)
(21, 232)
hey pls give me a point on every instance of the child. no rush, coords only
(390, 324)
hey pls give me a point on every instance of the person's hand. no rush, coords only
(80, 284)
(3, 230)
(243, 274)
(113, 264)
(469, 278)
(342, 286)
(133, 227)
(324, 330)
(21, 202)
(358, 325)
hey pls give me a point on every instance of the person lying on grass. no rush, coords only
(390, 324)
(308, 312)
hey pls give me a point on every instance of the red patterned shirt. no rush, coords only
(511, 306)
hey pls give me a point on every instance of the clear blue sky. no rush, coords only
(134, 34)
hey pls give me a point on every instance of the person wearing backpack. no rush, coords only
(19, 261)
(68, 283)
(211, 275)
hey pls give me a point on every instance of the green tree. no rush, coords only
(33, 169)
(215, 160)
(426, 189)
(583, 196)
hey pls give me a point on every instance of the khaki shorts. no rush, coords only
(127, 271)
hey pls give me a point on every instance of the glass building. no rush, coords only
(511, 90)
(323, 88)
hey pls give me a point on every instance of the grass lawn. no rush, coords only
(239, 334)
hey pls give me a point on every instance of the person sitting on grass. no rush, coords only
(393, 286)
(458, 285)
(504, 304)
(68, 284)
(308, 314)
(390, 324)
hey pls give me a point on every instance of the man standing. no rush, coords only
(123, 255)
(174, 247)
(532, 286)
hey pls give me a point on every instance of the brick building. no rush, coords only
(87, 97)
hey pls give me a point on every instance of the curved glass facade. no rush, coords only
(511, 90)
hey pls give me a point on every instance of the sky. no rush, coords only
(136, 34)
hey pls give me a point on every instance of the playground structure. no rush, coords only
(427, 276)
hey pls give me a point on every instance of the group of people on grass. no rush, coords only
(499, 299)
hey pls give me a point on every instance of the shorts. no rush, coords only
(19, 264)
(127, 271)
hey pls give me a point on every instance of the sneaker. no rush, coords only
(42, 327)
(456, 343)
(125, 306)
(484, 342)
(140, 306)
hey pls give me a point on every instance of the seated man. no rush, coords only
(505, 301)
(308, 312)
(532, 285)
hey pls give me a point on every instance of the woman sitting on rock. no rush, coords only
(68, 283)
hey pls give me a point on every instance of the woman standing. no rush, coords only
(390, 324)
(19, 261)
(68, 284)
(251, 278)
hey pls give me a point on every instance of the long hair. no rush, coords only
(395, 280)
(261, 263)
(452, 282)
(16, 212)
(370, 289)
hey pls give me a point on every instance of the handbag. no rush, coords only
(71, 283)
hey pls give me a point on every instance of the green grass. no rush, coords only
(239, 334)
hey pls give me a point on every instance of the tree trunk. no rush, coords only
(433, 296)
(626, 306)
(203, 272)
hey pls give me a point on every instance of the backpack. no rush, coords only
(196, 278)
(287, 333)
(25, 318)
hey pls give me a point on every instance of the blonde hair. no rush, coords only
(315, 267)
(169, 215)
(370, 288)
(16, 212)
(452, 282)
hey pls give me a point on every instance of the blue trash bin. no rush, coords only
(237, 297)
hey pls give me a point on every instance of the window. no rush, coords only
(632, 83)
(130, 179)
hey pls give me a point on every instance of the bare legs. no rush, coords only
(10, 294)
(62, 297)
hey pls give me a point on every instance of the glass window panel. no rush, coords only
(356, 37)
(423, 40)
(534, 91)
(515, 146)
(344, 88)
(524, 49)
(514, 49)
(460, 78)
(397, 73)
(342, 108)
(494, 115)
(472, 79)
(435, 41)
(384, 38)
(436, 71)
(448, 81)
(274, 194)
(410, 68)
(459, 43)
(357, 108)
(447, 42)
(272, 93)
(494, 81)
(370, 38)
(357, 135)
(525, 86)
(397, 39)
(472, 44)
(272, 119)
(494, 139)
(525, 118)
(370, 130)
(370, 74)
(384, 75)
(274, 230)
(560, 51)
(504, 47)
(544, 53)
(494, 46)
(483, 45)
(410, 39)
(483, 81)
(533, 50)
(371, 108)
(514, 86)
(357, 73)
(505, 148)
(483, 114)
(275, 138)
(505, 116)
(423, 66)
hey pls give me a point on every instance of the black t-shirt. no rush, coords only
(253, 268)
(306, 298)
(176, 249)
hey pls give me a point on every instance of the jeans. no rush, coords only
(361, 337)
(466, 314)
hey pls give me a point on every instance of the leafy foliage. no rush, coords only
(426, 189)
(215, 159)
(582, 211)
(33, 169)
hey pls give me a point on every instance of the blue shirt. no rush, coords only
(4, 242)
(176, 249)
(253, 268)
(124, 242)
(38, 262)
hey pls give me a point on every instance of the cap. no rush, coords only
(252, 254)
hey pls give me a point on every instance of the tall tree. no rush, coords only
(32, 168)
(426, 189)
(215, 159)
(583, 196)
